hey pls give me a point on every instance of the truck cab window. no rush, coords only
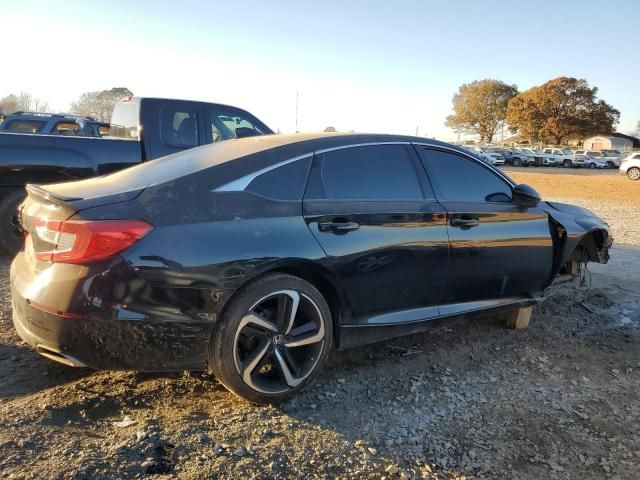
(228, 124)
(179, 127)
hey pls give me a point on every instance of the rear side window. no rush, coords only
(67, 128)
(377, 172)
(24, 126)
(462, 180)
(286, 182)
(179, 126)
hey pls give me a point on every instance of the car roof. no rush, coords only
(239, 157)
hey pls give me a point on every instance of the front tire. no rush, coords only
(633, 173)
(516, 162)
(567, 163)
(11, 237)
(592, 165)
(272, 339)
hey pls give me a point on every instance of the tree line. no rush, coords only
(98, 105)
(555, 112)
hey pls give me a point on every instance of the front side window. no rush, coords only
(179, 126)
(461, 179)
(375, 172)
(229, 124)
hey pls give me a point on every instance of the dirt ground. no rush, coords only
(467, 399)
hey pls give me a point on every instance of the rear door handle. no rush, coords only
(465, 222)
(338, 226)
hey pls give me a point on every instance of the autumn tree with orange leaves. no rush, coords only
(561, 109)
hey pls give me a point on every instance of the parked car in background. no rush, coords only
(169, 126)
(520, 158)
(559, 157)
(497, 155)
(630, 166)
(590, 162)
(610, 162)
(486, 154)
(614, 158)
(54, 124)
(256, 257)
(536, 154)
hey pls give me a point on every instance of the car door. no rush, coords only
(373, 211)
(498, 249)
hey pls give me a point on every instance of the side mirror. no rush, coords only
(525, 195)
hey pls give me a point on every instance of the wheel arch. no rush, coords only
(318, 276)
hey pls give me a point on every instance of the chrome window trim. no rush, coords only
(355, 145)
(240, 184)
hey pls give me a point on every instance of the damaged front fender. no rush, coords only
(579, 235)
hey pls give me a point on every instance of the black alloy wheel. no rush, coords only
(272, 340)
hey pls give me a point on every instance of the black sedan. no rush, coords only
(255, 257)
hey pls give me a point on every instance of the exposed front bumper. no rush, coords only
(106, 342)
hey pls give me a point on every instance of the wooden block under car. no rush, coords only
(518, 318)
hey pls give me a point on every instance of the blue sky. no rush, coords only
(367, 66)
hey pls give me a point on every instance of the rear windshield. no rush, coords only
(24, 126)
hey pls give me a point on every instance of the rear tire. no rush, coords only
(592, 165)
(633, 173)
(272, 339)
(567, 164)
(11, 238)
(516, 162)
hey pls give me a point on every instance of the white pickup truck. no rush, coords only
(559, 157)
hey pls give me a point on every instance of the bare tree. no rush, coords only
(24, 102)
(99, 105)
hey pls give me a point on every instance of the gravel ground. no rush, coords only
(467, 399)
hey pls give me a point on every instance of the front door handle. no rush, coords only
(465, 222)
(338, 226)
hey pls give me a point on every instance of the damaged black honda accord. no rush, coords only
(255, 257)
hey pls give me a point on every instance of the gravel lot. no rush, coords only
(468, 399)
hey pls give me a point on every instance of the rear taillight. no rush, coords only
(85, 241)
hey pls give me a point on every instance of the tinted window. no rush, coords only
(24, 126)
(377, 172)
(67, 128)
(179, 126)
(463, 180)
(228, 124)
(282, 183)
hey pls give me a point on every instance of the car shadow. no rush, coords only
(23, 372)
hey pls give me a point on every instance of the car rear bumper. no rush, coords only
(106, 342)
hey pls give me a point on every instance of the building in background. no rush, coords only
(615, 141)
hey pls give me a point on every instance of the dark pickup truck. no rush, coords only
(141, 129)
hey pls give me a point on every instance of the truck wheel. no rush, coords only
(633, 173)
(566, 163)
(10, 235)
